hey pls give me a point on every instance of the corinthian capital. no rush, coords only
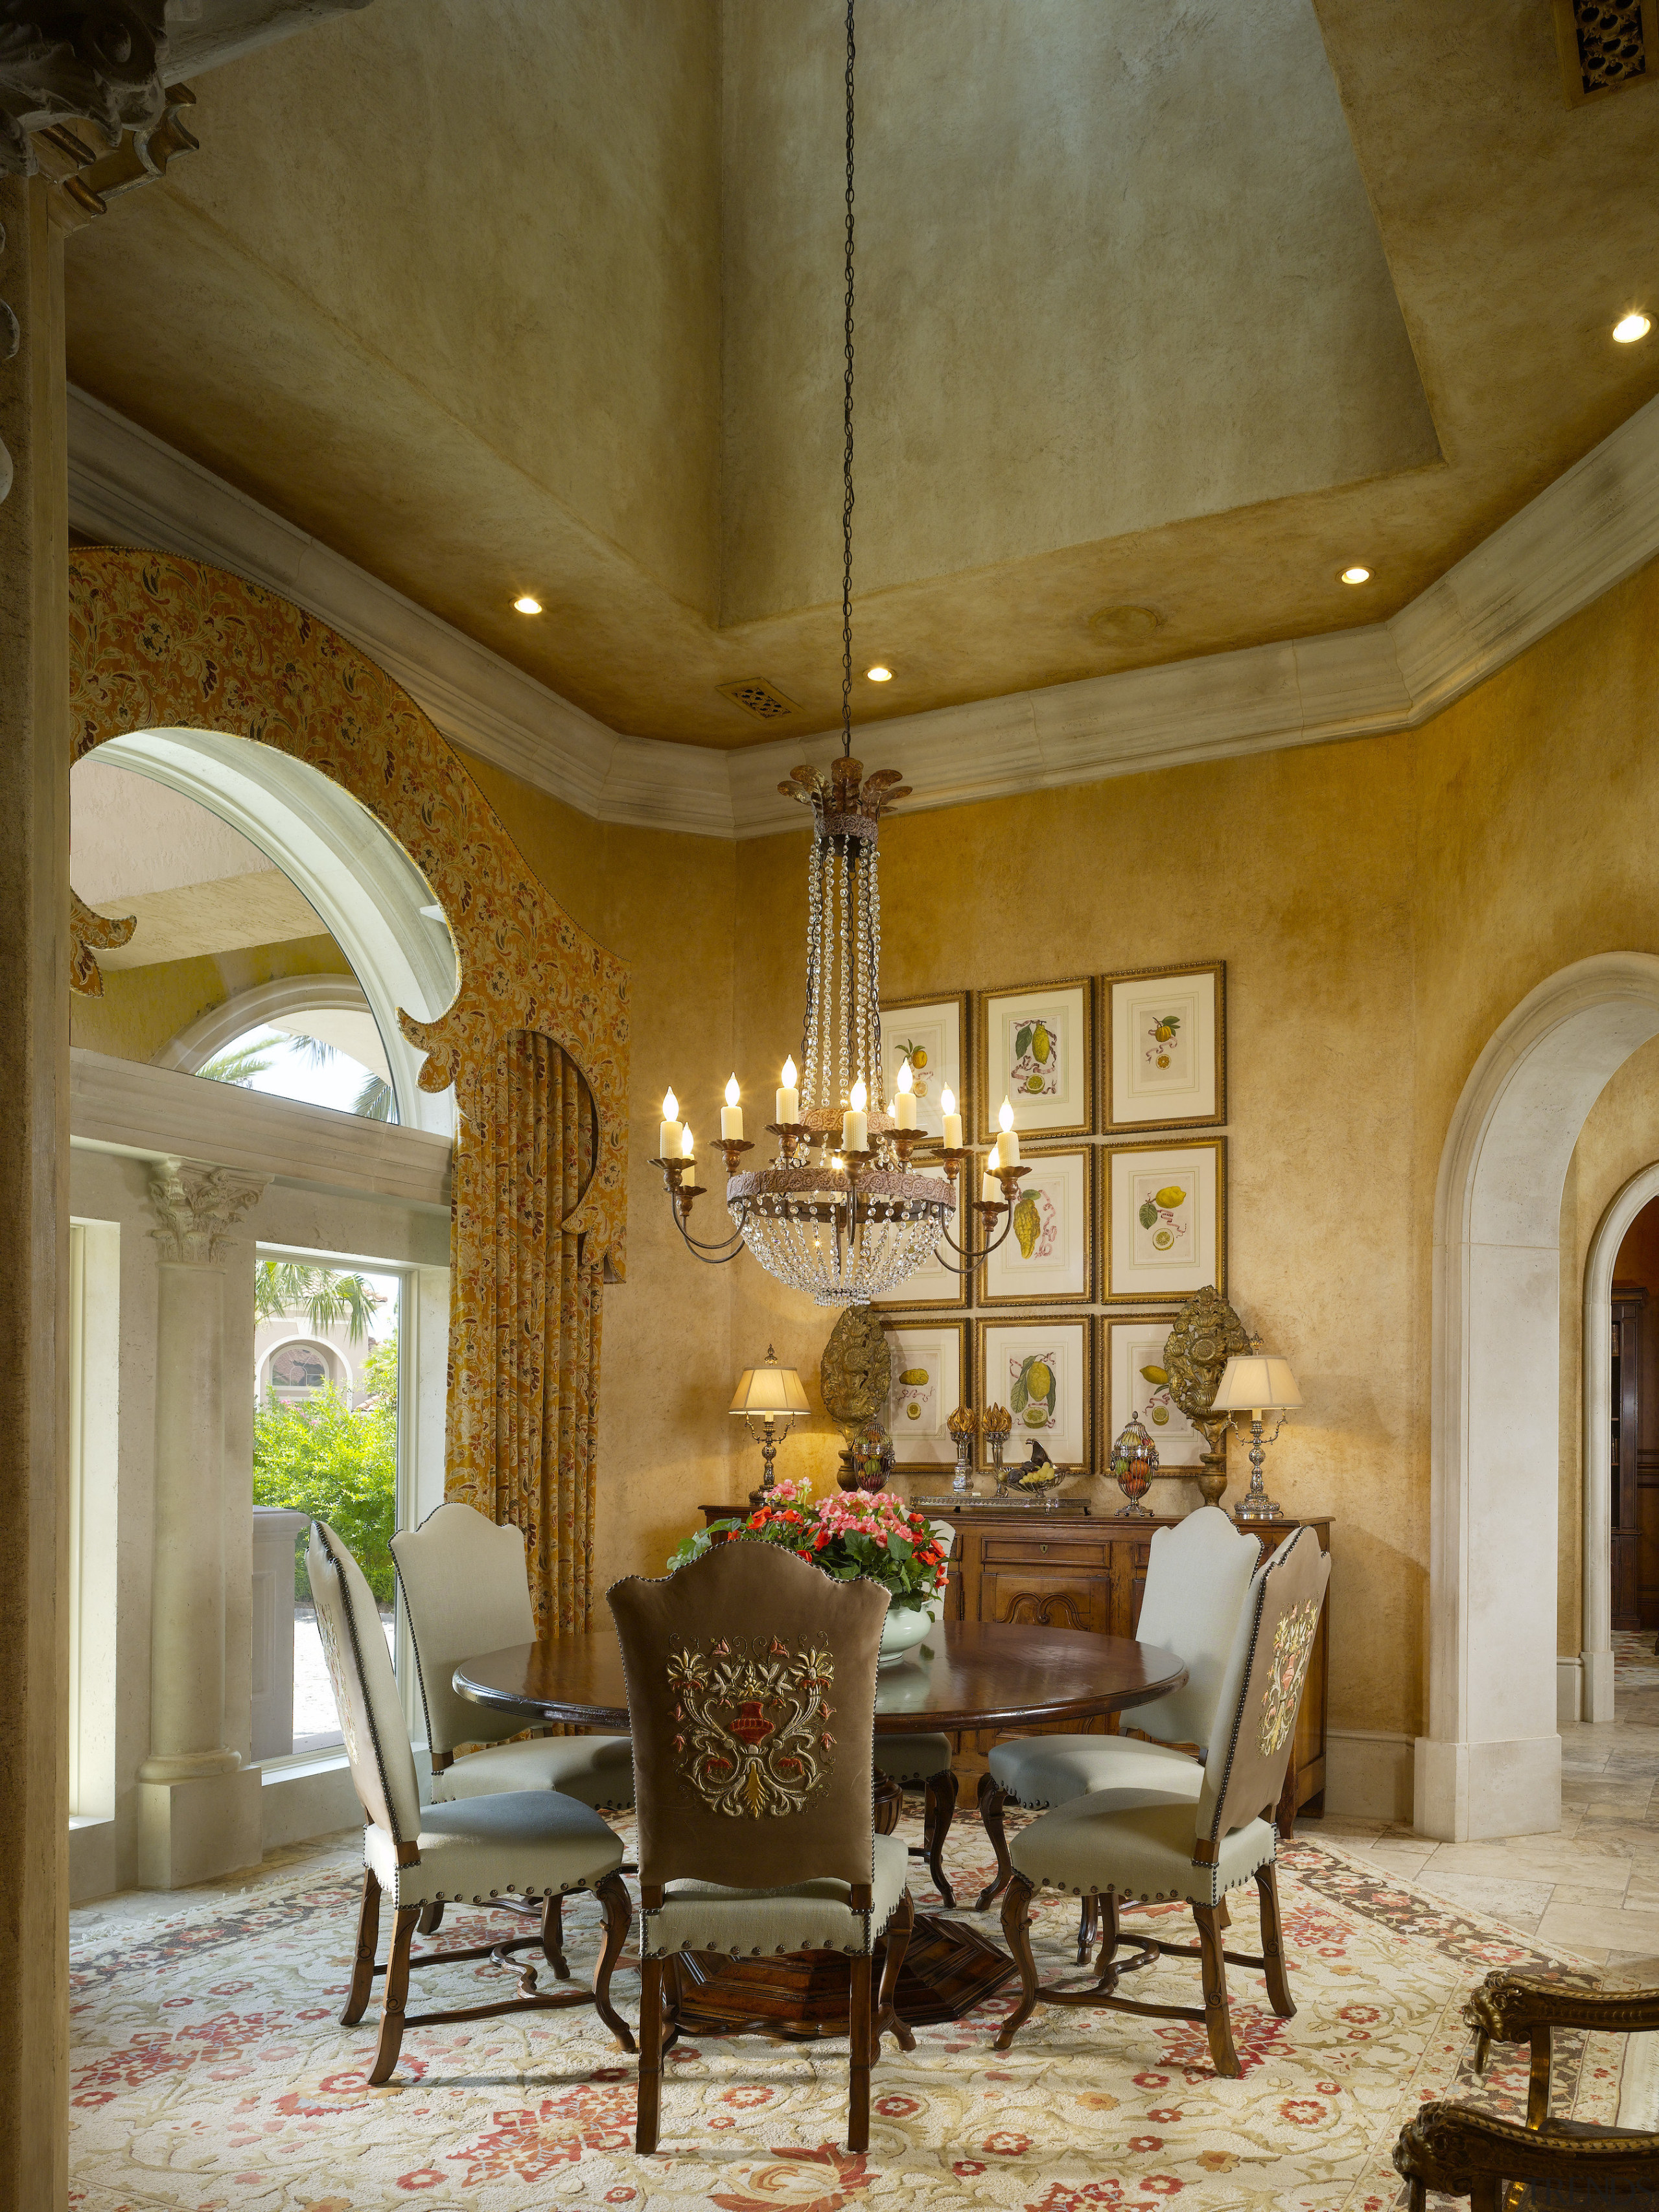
(197, 1206)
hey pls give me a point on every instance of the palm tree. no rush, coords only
(374, 1101)
(242, 1063)
(322, 1295)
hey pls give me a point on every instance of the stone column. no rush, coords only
(34, 762)
(199, 1808)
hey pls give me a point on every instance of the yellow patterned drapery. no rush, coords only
(523, 1343)
(159, 642)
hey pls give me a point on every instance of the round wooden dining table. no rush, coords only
(965, 1675)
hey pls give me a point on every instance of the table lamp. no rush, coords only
(766, 1396)
(1255, 1383)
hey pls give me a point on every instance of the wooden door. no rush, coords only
(1626, 1399)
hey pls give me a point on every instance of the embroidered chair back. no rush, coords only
(751, 1697)
(365, 1687)
(1261, 1690)
(1197, 1576)
(466, 1591)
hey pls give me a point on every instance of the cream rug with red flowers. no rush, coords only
(209, 2072)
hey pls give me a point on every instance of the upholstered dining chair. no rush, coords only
(533, 1843)
(751, 1690)
(923, 1763)
(1151, 1844)
(1197, 1574)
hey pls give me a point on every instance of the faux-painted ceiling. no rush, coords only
(1176, 310)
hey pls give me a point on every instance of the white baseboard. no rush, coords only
(1368, 1774)
(299, 1802)
(91, 1860)
(1568, 1691)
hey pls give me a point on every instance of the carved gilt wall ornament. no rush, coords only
(856, 1372)
(752, 1738)
(198, 1207)
(159, 642)
(1205, 1334)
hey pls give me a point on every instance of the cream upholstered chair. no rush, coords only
(533, 1843)
(751, 1691)
(923, 1762)
(1197, 1574)
(1148, 1845)
(466, 1591)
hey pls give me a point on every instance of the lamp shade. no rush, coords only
(769, 1389)
(1255, 1383)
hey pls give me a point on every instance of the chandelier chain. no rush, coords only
(847, 435)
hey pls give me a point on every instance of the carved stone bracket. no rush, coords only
(90, 934)
(197, 1206)
(63, 63)
(88, 180)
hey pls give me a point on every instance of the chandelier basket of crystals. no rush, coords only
(841, 1213)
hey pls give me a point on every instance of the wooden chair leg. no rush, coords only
(1111, 1933)
(553, 1934)
(1016, 1934)
(1088, 1927)
(992, 1798)
(861, 2027)
(432, 1918)
(1272, 1942)
(650, 2093)
(1218, 2020)
(396, 1995)
(940, 1803)
(898, 1942)
(362, 1967)
(614, 1903)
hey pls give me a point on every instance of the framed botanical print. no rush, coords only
(930, 1381)
(1040, 1371)
(1035, 1049)
(1165, 1208)
(931, 1284)
(931, 1034)
(1165, 1060)
(1137, 1383)
(1047, 1258)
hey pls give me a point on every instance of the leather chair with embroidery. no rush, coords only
(751, 1686)
(1150, 1845)
(924, 1763)
(1197, 1574)
(531, 1843)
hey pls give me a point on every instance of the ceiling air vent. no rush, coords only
(1606, 45)
(759, 698)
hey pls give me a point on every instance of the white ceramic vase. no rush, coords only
(901, 1632)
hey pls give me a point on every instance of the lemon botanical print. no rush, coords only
(1158, 1405)
(1163, 1045)
(921, 1061)
(1036, 1223)
(1162, 1219)
(1034, 1065)
(914, 1403)
(1033, 1388)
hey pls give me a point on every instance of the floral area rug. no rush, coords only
(209, 2072)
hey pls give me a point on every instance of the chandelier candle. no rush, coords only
(1008, 1142)
(789, 1097)
(731, 1113)
(947, 1107)
(668, 1133)
(904, 1106)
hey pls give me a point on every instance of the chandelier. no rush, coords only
(840, 1213)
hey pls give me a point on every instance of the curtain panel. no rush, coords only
(524, 1319)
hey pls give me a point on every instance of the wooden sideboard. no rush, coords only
(1069, 1569)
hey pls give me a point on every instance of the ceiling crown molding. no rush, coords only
(1595, 525)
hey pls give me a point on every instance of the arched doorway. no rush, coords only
(1611, 1231)
(1490, 1763)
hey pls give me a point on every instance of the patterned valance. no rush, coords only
(159, 642)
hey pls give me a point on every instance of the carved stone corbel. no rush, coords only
(60, 63)
(198, 1207)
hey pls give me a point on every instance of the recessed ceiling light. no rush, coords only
(1631, 327)
(879, 674)
(1354, 575)
(527, 605)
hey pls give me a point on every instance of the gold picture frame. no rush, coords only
(1059, 1192)
(1046, 1031)
(1137, 1267)
(1001, 1339)
(1127, 1344)
(1131, 1046)
(940, 1011)
(929, 1339)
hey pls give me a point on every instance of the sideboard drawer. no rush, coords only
(1023, 1551)
(1046, 1596)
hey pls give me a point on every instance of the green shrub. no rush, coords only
(338, 1465)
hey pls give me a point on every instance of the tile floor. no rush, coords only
(1590, 1887)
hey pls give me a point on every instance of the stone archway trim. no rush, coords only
(269, 1002)
(1490, 1764)
(157, 641)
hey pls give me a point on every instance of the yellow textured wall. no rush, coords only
(144, 1008)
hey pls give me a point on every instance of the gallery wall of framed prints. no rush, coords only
(1118, 1085)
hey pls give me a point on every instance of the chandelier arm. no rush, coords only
(703, 1247)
